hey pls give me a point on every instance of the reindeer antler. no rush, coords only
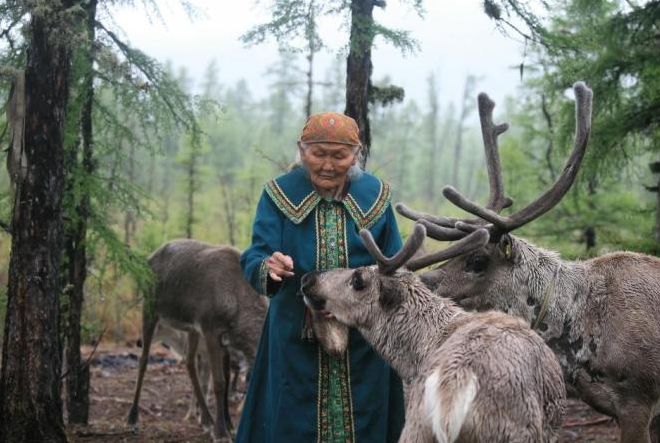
(583, 98)
(469, 243)
(444, 228)
(438, 228)
(389, 265)
(489, 132)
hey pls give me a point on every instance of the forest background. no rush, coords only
(158, 181)
(171, 157)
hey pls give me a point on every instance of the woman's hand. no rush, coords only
(279, 266)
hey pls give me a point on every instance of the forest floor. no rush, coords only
(166, 395)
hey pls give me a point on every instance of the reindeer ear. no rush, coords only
(390, 294)
(505, 245)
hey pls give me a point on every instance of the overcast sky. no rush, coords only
(456, 39)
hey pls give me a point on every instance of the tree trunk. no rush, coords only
(229, 205)
(359, 67)
(77, 380)
(192, 187)
(432, 122)
(590, 231)
(30, 403)
(655, 168)
(458, 146)
(129, 215)
(311, 49)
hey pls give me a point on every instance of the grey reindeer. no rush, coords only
(200, 289)
(468, 377)
(600, 316)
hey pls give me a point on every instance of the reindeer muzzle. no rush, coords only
(307, 283)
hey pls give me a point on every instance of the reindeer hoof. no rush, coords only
(222, 439)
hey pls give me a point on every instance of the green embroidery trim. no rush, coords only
(366, 220)
(296, 213)
(263, 277)
(335, 405)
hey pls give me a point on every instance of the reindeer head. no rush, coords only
(490, 276)
(357, 297)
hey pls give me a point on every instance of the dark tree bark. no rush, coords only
(77, 380)
(30, 404)
(359, 67)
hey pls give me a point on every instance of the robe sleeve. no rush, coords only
(266, 239)
(391, 238)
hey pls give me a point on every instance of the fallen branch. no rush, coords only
(82, 433)
(594, 421)
(126, 402)
(89, 358)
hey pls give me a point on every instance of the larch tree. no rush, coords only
(293, 21)
(613, 46)
(30, 404)
(75, 250)
(92, 62)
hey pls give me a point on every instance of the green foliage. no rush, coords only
(612, 46)
(150, 132)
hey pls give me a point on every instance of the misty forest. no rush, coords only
(111, 153)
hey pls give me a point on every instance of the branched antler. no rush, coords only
(444, 228)
(390, 265)
(489, 131)
(467, 244)
(583, 98)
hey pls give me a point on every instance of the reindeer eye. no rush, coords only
(477, 264)
(357, 282)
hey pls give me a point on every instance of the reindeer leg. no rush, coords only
(416, 429)
(148, 328)
(216, 362)
(191, 365)
(655, 429)
(634, 420)
(194, 409)
(226, 366)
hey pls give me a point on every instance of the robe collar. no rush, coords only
(366, 199)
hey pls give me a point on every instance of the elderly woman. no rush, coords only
(309, 219)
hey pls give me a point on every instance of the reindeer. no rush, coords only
(199, 289)
(177, 342)
(469, 377)
(600, 316)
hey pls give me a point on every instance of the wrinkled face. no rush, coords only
(353, 296)
(328, 163)
(481, 280)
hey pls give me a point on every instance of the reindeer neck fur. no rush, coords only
(562, 286)
(407, 333)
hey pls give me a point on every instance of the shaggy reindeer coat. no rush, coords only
(470, 378)
(296, 389)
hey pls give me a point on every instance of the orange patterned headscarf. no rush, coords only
(330, 127)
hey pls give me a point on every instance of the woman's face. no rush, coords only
(328, 164)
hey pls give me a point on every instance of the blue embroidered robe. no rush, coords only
(295, 386)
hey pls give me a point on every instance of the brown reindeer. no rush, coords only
(177, 342)
(600, 316)
(469, 377)
(200, 289)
